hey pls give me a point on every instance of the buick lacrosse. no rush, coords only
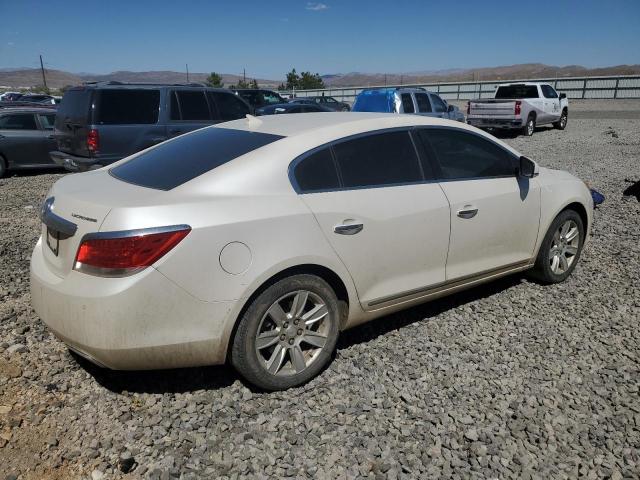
(257, 241)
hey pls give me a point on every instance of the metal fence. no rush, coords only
(627, 86)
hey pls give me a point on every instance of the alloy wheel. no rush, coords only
(292, 333)
(564, 247)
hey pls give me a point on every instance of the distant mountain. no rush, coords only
(509, 72)
(30, 77)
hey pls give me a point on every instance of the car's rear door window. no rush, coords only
(127, 106)
(424, 105)
(229, 106)
(466, 155)
(407, 103)
(184, 158)
(316, 172)
(379, 159)
(193, 105)
(18, 121)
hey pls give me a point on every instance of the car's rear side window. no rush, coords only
(18, 121)
(127, 106)
(465, 155)
(380, 159)
(424, 105)
(317, 172)
(177, 161)
(407, 103)
(229, 106)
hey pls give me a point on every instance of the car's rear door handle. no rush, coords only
(348, 229)
(468, 211)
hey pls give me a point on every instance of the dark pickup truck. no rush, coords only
(98, 124)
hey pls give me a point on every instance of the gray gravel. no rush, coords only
(508, 380)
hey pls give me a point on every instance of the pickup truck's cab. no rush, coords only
(520, 106)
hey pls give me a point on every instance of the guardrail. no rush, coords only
(627, 86)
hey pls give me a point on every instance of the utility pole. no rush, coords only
(187, 67)
(44, 79)
(244, 76)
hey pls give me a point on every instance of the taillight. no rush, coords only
(516, 109)
(468, 108)
(119, 254)
(93, 141)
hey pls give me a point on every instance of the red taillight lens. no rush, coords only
(468, 108)
(93, 141)
(517, 107)
(120, 256)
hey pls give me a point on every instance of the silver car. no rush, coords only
(412, 100)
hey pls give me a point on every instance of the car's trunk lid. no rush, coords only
(80, 204)
(491, 108)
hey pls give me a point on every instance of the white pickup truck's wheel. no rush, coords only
(287, 334)
(530, 126)
(562, 123)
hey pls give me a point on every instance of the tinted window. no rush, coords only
(127, 107)
(75, 105)
(466, 155)
(331, 100)
(517, 91)
(424, 105)
(407, 103)
(193, 105)
(548, 92)
(18, 121)
(189, 156)
(175, 108)
(317, 172)
(47, 120)
(438, 105)
(229, 106)
(378, 159)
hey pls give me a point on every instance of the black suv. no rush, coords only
(98, 124)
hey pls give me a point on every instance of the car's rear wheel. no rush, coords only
(561, 248)
(287, 334)
(344, 109)
(530, 126)
(3, 166)
(562, 123)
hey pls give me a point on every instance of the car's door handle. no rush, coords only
(467, 211)
(349, 229)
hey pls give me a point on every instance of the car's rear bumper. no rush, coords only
(74, 163)
(144, 321)
(506, 123)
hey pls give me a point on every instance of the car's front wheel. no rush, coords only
(561, 248)
(287, 334)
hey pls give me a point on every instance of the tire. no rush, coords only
(295, 343)
(530, 126)
(562, 123)
(559, 245)
(344, 109)
(3, 166)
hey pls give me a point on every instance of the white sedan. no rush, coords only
(257, 241)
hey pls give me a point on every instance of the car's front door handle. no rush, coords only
(467, 212)
(349, 229)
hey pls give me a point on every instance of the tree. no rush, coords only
(282, 86)
(214, 80)
(304, 81)
(254, 84)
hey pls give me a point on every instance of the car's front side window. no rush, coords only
(466, 155)
(548, 92)
(193, 105)
(438, 104)
(19, 121)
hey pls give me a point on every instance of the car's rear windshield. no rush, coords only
(517, 91)
(177, 161)
(75, 105)
(374, 102)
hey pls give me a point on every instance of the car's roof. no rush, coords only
(342, 123)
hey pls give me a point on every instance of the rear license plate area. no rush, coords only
(53, 241)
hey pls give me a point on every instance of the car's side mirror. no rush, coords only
(528, 167)
(450, 108)
(563, 95)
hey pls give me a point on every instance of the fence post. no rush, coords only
(584, 87)
(458, 96)
(615, 92)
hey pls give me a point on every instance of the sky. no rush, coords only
(333, 36)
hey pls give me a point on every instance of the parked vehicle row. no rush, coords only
(258, 241)
(520, 106)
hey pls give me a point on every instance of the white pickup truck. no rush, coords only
(520, 106)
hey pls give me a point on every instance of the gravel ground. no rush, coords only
(508, 380)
